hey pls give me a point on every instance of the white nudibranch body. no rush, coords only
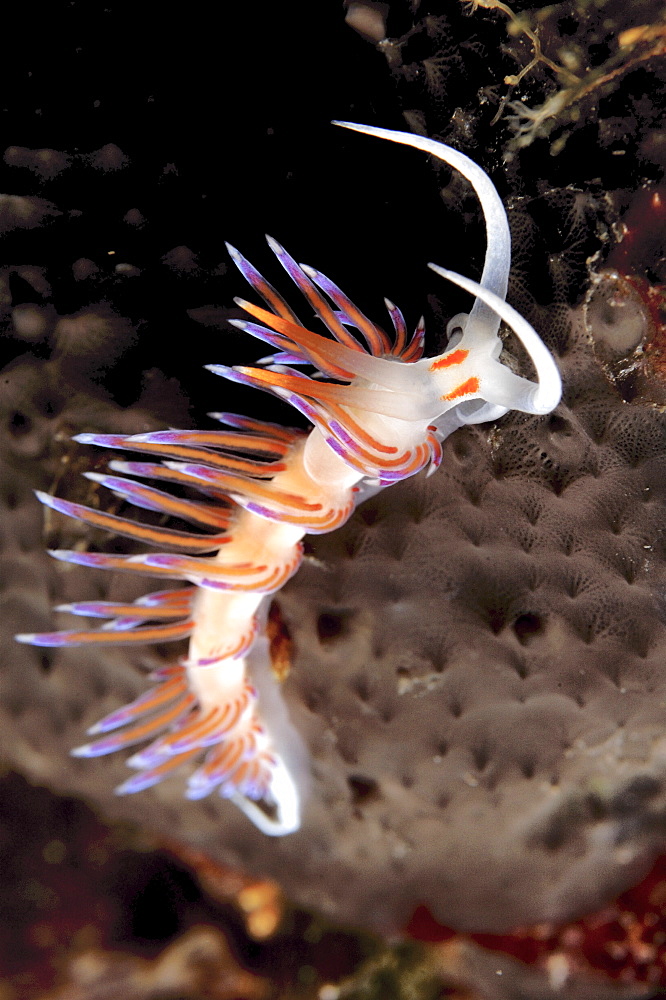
(378, 418)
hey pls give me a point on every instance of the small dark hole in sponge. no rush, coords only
(369, 514)
(363, 789)
(527, 627)
(558, 425)
(330, 627)
(521, 669)
(20, 424)
(497, 619)
(362, 688)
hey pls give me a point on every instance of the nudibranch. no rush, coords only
(379, 411)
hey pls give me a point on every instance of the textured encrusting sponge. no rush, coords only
(478, 676)
(481, 670)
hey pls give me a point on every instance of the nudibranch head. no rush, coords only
(379, 411)
(393, 394)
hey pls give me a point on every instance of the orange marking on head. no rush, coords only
(454, 358)
(465, 389)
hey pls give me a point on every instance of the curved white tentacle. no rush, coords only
(495, 275)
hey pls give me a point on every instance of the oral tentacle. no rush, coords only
(497, 263)
(520, 394)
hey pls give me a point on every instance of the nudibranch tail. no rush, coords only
(205, 705)
(378, 410)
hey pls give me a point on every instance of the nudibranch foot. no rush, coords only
(379, 411)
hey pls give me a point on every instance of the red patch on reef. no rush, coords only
(638, 259)
(654, 302)
(625, 941)
(644, 227)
